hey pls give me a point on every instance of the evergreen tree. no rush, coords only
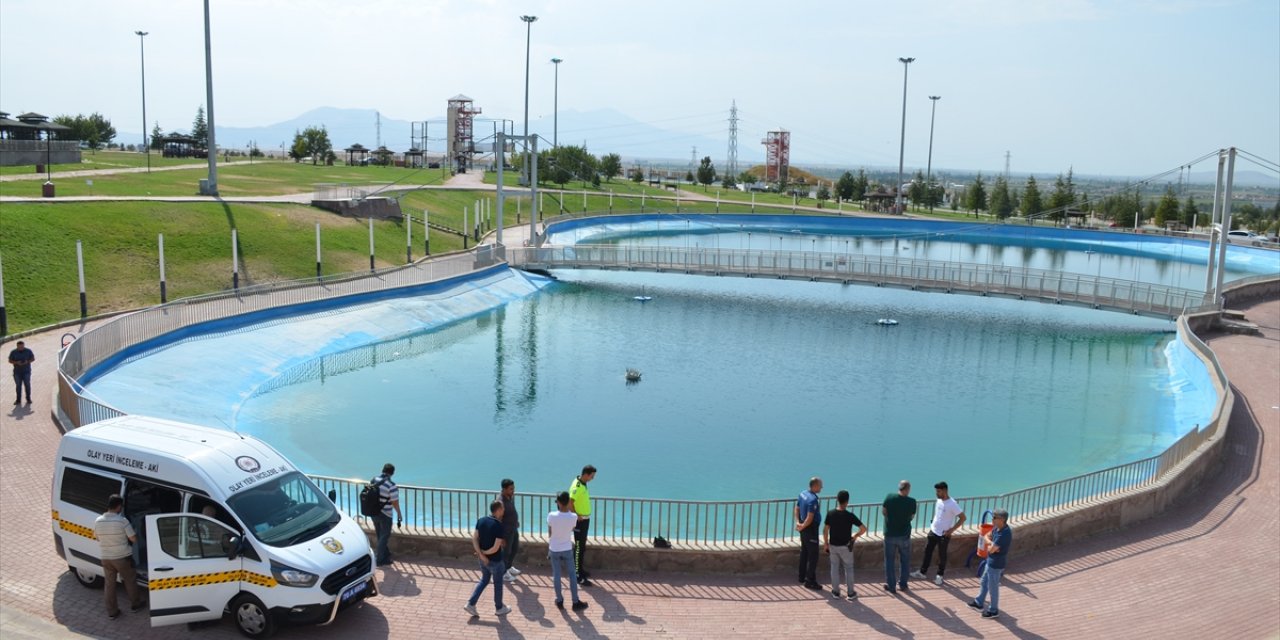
(706, 173)
(860, 185)
(844, 186)
(1167, 209)
(918, 191)
(1060, 199)
(200, 129)
(610, 166)
(1189, 212)
(156, 134)
(1031, 204)
(976, 196)
(1000, 203)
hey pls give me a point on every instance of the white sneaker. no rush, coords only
(471, 610)
(938, 581)
(514, 571)
(503, 611)
(508, 578)
(917, 575)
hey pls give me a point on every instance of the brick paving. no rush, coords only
(1207, 568)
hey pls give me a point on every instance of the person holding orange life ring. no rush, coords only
(998, 543)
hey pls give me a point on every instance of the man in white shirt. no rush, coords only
(947, 517)
(560, 526)
(115, 534)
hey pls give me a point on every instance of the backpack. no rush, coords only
(371, 498)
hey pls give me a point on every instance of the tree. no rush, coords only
(1167, 209)
(1000, 203)
(564, 163)
(706, 173)
(1062, 198)
(200, 129)
(823, 192)
(637, 175)
(313, 142)
(156, 134)
(610, 166)
(746, 177)
(860, 185)
(298, 150)
(918, 189)
(729, 182)
(976, 196)
(1189, 212)
(688, 176)
(844, 186)
(1031, 204)
(93, 130)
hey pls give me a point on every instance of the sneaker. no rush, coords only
(559, 604)
(990, 613)
(18, 402)
(514, 571)
(471, 609)
(852, 597)
(938, 581)
(503, 611)
(973, 604)
(110, 616)
(890, 589)
(579, 605)
(813, 586)
(508, 578)
(904, 587)
(918, 576)
(583, 582)
(835, 593)
(138, 607)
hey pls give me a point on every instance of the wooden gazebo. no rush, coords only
(357, 155)
(181, 145)
(414, 158)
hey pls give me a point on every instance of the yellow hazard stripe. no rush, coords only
(220, 577)
(72, 527)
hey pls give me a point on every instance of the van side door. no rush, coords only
(189, 574)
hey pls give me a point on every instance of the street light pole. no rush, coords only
(928, 181)
(142, 50)
(902, 144)
(555, 118)
(528, 35)
(212, 188)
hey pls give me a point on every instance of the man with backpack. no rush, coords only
(378, 501)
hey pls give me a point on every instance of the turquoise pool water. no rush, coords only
(749, 387)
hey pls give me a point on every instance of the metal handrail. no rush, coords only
(616, 520)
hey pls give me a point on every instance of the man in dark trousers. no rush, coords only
(581, 499)
(21, 359)
(899, 509)
(510, 529)
(809, 524)
(389, 494)
(486, 543)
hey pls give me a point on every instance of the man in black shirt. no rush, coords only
(837, 541)
(486, 542)
(510, 529)
(21, 359)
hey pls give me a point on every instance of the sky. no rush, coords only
(1106, 88)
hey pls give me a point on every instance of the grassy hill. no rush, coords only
(794, 174)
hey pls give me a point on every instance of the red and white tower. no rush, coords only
(777, 146)
(461, 146)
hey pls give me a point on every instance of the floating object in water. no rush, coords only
(887, 322)
(1089, 252)
(642, 298)
(633, 375)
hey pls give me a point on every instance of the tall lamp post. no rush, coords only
(528, 35)
(142, 50)
(928, 181)
(902, 144)
(211, 188)
(555, 118)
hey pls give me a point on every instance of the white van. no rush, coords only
(275, 551)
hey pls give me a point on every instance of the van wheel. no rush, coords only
(87, 578)
(252, 618)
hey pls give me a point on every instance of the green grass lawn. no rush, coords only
(277, 242)
(90, 160)
(235, 179)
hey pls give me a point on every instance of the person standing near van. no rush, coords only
(581, 499)
(510, 529)
(390, 495)
(486, 542)
(21, 359)
(115, 534)
(947, 517)
(560, 526)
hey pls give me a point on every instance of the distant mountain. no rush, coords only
(1246, 177)
(346, 127)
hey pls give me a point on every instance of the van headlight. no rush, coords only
(290, 577)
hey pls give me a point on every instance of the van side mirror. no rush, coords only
(234, 543)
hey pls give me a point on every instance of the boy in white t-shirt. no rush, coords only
(560, 526)
(947, 517)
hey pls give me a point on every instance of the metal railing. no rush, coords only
(129, 331)
(635, 521)
(1094, 291)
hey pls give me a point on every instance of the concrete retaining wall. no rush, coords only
(362, 208)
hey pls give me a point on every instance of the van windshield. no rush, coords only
(285, 511)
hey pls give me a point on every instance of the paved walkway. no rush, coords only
(1208, 568)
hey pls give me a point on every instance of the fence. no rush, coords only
(1095, 291)
(635, 521)
(128, 331)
